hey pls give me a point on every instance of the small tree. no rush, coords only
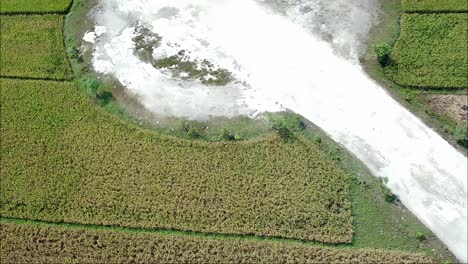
(383, 50)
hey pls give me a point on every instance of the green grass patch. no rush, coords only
(34, 6)
(431, 51)
(427, 6)
(19, 243)
(32, 47)
(64, 159)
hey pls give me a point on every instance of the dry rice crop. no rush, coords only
(34, 6)
(32, 47)
(24, 243)
(422, 6)
(64, 159)
(431, 51)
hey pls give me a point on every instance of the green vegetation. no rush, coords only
(461, 134)
(32, 47)
(180, 65)
(388, 31)
(420, 236)
(83, 245)
(95, 90)
(34, 6)
(204, 71)
(383, 50)
(431, 51)
(287, 124)
(428, 6)
(65, 160)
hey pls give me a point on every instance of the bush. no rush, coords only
(95, 89)
(225, 135)
(193, 130)
(383, 50)
(461, 134)
(318, 140)
(420, 236)
(287, 124)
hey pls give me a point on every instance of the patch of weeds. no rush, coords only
(193, 129)
(226, 135)
(420, 236)
(286, 124)
(203, 71)
(145, 43)
(388, 195)
(180, 64)
(95, 90)
(317, 139)
(461, 134)
(410, 95)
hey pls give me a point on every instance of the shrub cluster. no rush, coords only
(32, 47)
(64, 159)
(25, 243)
(383, 50)
(431, 51)
(287, 124)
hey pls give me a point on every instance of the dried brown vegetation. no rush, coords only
(24, 243)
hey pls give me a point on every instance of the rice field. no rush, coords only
(67, 160)
(26, 243)
(431, 51)
(436, 6)
(32, 47)
(129, 191)
(34, 6)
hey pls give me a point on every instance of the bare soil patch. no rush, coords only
(454, 106)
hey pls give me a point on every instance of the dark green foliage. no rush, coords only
(461, 134)
(428, 6)
(318, 140)
(420, 236)
(225, 135)
(431, 51)
(64, 159)
(287, 124)
(95, 90)
(82, 245)
(193, 129)
(32, 47)
(383, 50)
